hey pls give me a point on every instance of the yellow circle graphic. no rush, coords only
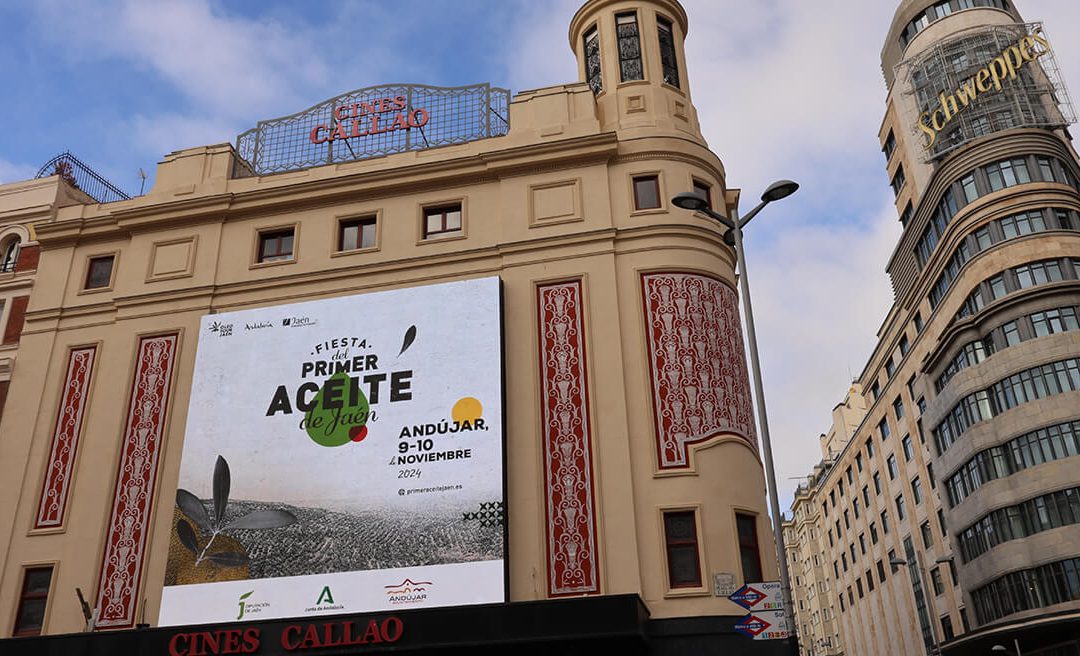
(467, 409)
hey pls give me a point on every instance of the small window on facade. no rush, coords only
(647, 192)
(276, 245)
(668, 60)
(626, 29)
(918, 322)
(680, 537)
(30, 615)
(748, 547)
(890, 145)
(704, 191)
(592, 60)
(354, 234)
(10, 255)
(444, 221)
(99, 272)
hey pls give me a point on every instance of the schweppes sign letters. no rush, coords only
(988, 79)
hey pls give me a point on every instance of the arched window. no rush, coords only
(10, 253)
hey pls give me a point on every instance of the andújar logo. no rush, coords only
(408, 592)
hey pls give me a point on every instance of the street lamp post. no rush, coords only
(920, 575)
(733, 237)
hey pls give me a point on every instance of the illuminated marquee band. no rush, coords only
(987, 80)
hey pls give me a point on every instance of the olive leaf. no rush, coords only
(246, 595)
(228, 558)
(263, 519)
(221, 489)
(194, 509)
(187, 536)
(410, 336)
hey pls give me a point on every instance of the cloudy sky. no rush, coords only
(784, 89)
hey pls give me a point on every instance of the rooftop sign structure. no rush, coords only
(372, 122)
(985, 80)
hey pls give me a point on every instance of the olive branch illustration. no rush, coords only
(214, 525)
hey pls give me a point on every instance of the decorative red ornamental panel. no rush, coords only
(568, 479)
(65, 439)
(121, 567)
(697, 363)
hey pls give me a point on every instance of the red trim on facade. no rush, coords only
(66, 432)
(697, 363)
(121, 566)
(570, 506)
(16, 318)
(29, 254)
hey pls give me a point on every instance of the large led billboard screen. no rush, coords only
(342, 455)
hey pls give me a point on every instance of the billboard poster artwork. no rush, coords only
(342, 456)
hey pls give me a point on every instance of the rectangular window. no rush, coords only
(873, 533)
(918, 322)
(909, 452)
(901, 513)
(99, 272)
(647, 192)
(875, 390)
(890, 145)
(354, 234)
(668, 61)
(443, 221)
(626, 28)
(971, 192)
(704, 191)
(847, 473)
(881, 571)
(904, 345)
(680, 536)
(276, 245)
(877, 482)
(935, 578)
(30, 615)
(890, 368)
(866, 496)
(927, 536)
(592, 60)
(892, 557)
(890, 463)
(916, 490)
(898, 180)
(898, 408)
(869, 447)
(749, 553)
(883, 428)
(858, 461)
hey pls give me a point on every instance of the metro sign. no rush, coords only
(747, 597)
(752, 625)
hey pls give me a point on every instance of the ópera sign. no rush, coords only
(361, 119)
(988, 79)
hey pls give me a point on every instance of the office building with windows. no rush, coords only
(952, 516)
(633, 494)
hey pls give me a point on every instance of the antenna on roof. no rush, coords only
(142, 176)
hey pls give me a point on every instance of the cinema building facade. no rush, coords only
(527, 366)
(953, 510)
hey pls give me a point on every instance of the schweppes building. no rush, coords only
(415, 368)
(960, 530)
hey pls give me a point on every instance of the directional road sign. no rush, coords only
(764, 625)
(759, 596)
